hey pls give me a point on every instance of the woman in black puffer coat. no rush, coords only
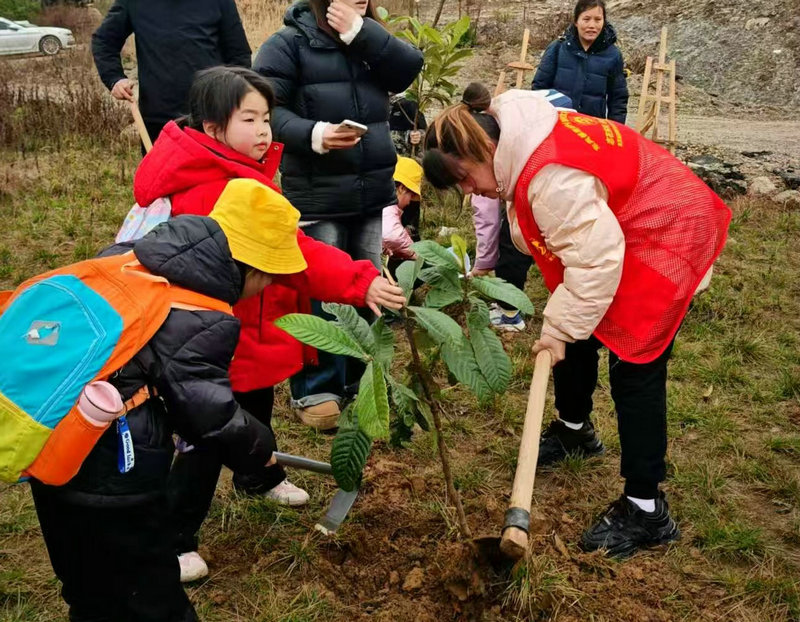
(334, 60)
(586, 65)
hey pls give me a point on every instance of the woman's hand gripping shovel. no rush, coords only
(513, 543)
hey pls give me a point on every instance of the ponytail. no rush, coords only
(462, 131)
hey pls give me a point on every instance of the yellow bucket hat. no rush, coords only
(261, 227)
(409, 173)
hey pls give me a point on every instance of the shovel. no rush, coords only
(140, 126)
(340, 504)
(514, 540)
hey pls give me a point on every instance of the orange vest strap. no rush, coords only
(180, 297)
(193, 301)
(139, 398)
(5, 296)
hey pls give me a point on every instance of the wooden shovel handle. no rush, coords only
(515, 540)
(140, 126)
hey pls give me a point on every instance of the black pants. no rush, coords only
(511, 265)
(639, 392)
(116, 563)
(194, 474)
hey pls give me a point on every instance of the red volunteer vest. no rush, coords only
(674, 228)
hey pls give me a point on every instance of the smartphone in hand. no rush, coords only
(351, 126)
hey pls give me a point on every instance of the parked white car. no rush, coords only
(24, 37)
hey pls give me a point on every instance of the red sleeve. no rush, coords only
(331, 276)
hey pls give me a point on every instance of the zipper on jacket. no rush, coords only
(260, 315)
(354, 82)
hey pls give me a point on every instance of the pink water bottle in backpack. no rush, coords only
(100, 404)
(77, 433)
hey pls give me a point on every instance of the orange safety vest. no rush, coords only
(674, 226)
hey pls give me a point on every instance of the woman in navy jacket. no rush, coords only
(586, 66)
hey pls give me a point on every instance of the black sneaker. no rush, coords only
(558, 441)
(625, 528)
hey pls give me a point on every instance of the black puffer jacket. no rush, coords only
(174, 40)
(187, 363)
(594, 79)
(317, 78)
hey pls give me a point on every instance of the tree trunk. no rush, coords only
(438, 13)
(437, 422)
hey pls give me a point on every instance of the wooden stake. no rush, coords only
(523, 56)
(520, 66)
(649, 112)
(673, 121)
(501, 83)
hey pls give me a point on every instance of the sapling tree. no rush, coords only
(443, 53)
(445, 322)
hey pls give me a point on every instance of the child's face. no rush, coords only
(255, 282)
(405, 196)
(248, 130)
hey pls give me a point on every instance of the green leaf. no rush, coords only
(352, 323)
(407, 273)
(460, 28)
(461, 362)
(372, 403)
(441, 277)
(459, 55)
(442, 328)
(459, 248)
(383, 13)
(320, 334)
(479, 310)
(435, 254)
(404, 399)
(349, 453)
(384, 342)
(492, 359)
(498, 289)
(432, 34)
(438, 297)
(424, 416)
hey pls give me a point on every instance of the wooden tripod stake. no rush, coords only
(521, 66)
(649, 113)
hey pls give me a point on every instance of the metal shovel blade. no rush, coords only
(337, 511)
(340, 504)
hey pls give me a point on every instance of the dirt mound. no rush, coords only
(743, 51)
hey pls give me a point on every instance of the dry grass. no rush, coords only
(261, 18)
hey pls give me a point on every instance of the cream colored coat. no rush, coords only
(569, 206)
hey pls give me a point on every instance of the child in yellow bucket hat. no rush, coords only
(261, 227)
(397, 239)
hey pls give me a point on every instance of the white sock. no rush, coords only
(572, 426)
(648, 505)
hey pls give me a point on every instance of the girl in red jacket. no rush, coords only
(227, 136)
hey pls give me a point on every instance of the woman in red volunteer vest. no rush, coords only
(624, 235)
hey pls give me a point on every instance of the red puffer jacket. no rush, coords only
(193, 169)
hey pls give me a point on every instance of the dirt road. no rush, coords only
(779, 137)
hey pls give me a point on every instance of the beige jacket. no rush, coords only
(570, 208)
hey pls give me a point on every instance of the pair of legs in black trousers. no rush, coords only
(639, 392)
(512, 265)
(194, 474)
(114, 556)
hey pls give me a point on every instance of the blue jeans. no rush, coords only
(361, 239)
